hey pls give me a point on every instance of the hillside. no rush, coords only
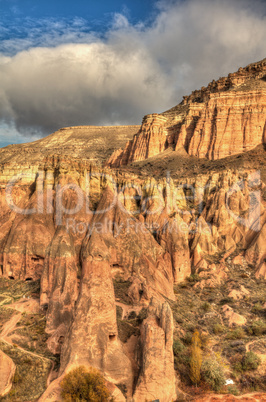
(125, 259)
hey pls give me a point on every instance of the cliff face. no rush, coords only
(226, 118)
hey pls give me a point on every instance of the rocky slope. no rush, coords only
(131, 261)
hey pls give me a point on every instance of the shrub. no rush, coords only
(193, 278)
(196, 358)
(142, 315)
(81, 385)
(236, 362)
(232, 389)
(251, 361)
(206, 306)
(257, 309)
(212, 374)
(257, 328)
(237, 333)
(218, 329)
(187, 338)
(181, 359)
(178, 347)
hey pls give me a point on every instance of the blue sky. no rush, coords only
(91, 10)
(66, 63)
(30, 19)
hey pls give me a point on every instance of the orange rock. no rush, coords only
(239, 294)
(59, 283)
(232, 317)
(7, 371)
(93, 336)
(157, 376)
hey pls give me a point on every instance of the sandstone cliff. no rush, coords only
(226, 118)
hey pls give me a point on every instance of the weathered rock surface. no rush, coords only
(238, 294)
(233, 318)
(59, 281)
(157, 376)
(7, 371)
(93, 337)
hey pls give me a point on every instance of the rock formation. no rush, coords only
(93, 337)
(7, 371)
(113, 248)
(228, 117)
(157, 376)
(59, 287)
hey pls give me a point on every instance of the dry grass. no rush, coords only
(30, 377)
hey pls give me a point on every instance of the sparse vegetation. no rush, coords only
(218, 329)
(5, 315)
(121, 287)
(31, 327)
(206, 306)
(237, 333)
(30, 377)
(212, 374)
(233, 390)
(257, 328)
(251, 361)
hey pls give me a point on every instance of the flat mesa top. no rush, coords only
(95, 143)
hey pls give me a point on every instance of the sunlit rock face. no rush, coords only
(7, 371)
(225, 118)
(157, 376)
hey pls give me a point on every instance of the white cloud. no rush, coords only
(75, 77)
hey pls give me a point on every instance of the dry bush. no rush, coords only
(81, 385)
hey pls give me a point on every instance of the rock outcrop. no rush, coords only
(93, 337)
(59, 287)
(157, 378)
(7, 371)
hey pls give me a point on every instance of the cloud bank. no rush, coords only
(67, 75)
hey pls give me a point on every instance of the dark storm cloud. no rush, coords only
(133, 70)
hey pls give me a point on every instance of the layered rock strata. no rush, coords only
(226, 118)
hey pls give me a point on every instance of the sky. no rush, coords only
(67, 63)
